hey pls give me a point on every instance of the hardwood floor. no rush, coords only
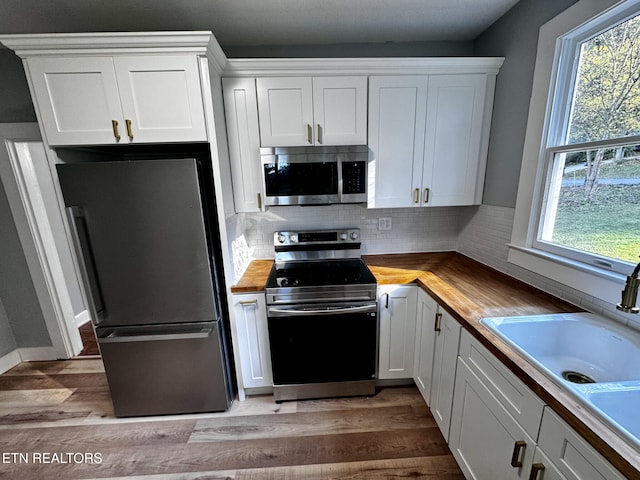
(56, 421)
(89, 342)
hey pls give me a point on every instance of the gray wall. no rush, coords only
(515, 37)
(7, 341)
(17, 293)
(388, 49)
(15, 100)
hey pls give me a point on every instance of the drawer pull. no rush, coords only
(518, 449)
(248, 302)
(536, 468)
(437, 325)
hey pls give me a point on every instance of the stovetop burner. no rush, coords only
(331, 272)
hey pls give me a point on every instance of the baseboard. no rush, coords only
(37, 354)
(19, 355)
(10, 360)
(82, 318)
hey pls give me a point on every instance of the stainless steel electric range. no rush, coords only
(322, 316)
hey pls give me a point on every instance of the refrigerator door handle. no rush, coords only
(116, 336)
(90, 281)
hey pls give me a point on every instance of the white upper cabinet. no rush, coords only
(454, 160)
(397, 110)
(304, 111)
(428, 138)
(118, 99)
(241, 112)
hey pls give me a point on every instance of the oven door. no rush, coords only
(323, 343)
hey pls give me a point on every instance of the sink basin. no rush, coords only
(621, 406)
(574, 347)
(594, 358)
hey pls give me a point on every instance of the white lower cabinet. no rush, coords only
(425, 344)
(447, 338)
(250, 325)
(397, 317)
(501, 430)
(568, 456)
(437, 337)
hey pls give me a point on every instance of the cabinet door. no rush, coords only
(340, 110)
(425, 344)
(77, 100)
(241, 112)
(444, 369)
(397, 112)
(253, 340)
(484, 437)
(454, 156)
(285, 107)
(161, 97)
(397, 315)
(570, 453)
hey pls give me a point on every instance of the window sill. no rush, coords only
(597, 282)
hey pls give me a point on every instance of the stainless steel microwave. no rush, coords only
(314, 175)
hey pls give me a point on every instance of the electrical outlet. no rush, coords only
(384, 223)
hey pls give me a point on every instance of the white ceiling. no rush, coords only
(264, 22)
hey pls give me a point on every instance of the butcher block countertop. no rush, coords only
(470, 291)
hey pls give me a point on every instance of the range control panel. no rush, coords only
(317, 237)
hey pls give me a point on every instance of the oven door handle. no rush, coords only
(297, 312)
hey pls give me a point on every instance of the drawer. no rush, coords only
(521, 403)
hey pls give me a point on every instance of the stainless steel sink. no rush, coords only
(594, 358)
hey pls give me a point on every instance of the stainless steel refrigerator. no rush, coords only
(148, 244)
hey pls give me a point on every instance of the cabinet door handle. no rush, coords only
(129, 131)
(536, 468)
(426, 195)
(249, 302)
(518, 448)
(386, 305)
(309, 134)
(319, 133)
(259, 201)
(114, 125)
(416, 195)
(438, 321)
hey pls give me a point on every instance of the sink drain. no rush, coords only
(577, 377)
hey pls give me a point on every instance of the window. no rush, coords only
(577, 216)
(590, 210)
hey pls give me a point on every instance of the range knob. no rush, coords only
(293, 238)
(343, 236)
(354, 235)
(281, 238)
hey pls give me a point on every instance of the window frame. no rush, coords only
(554, 77)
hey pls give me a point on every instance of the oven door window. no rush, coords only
(285, 178)
(323, 348)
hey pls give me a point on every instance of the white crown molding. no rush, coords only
(263, 67)
(197, 43)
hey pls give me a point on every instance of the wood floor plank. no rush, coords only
(429, 468)
(311, 423)
(64, 408)
(278, 452)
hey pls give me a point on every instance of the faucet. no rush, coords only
(630, 293)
